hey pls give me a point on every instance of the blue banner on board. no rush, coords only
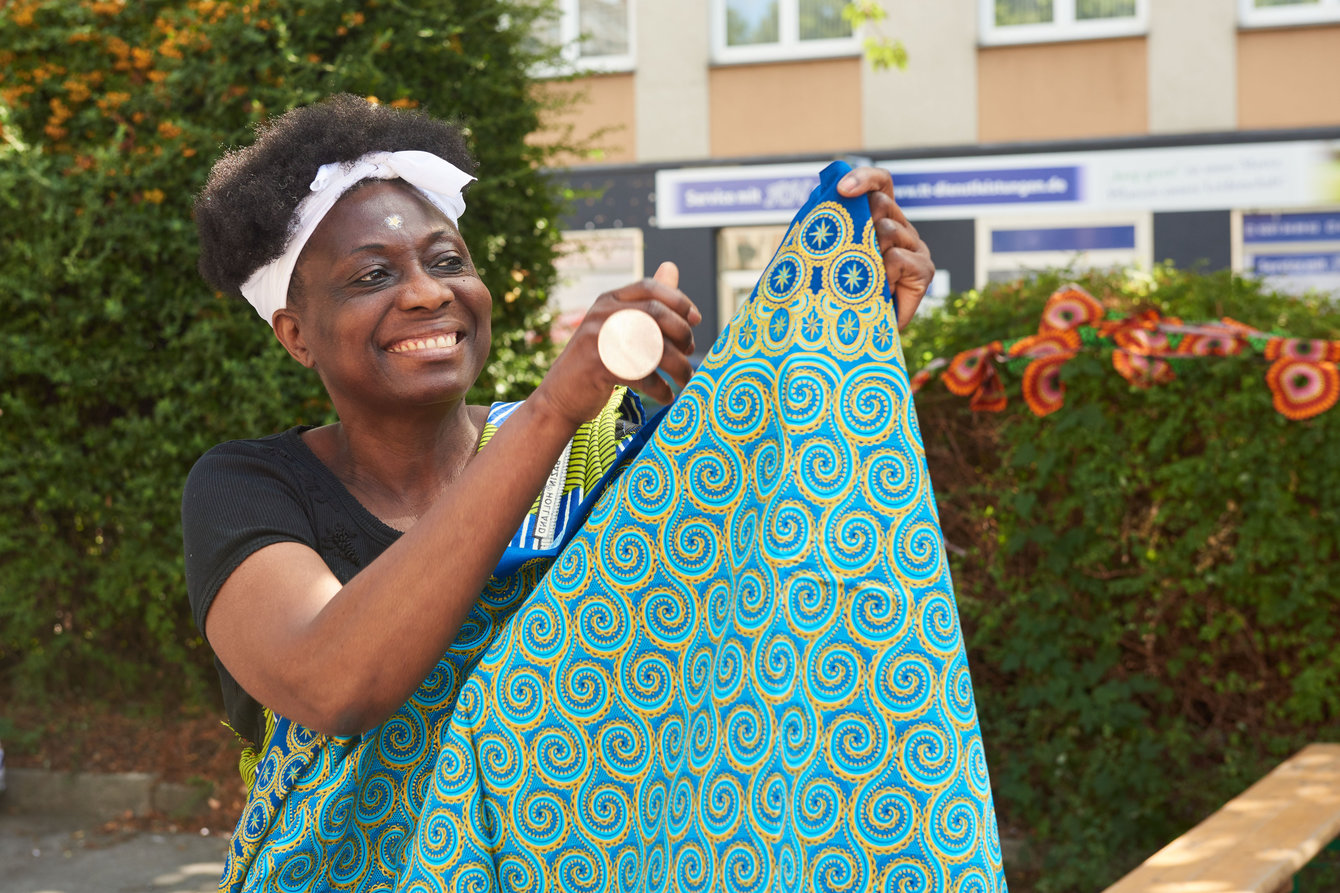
(1296, 264)
(744, 194)
(991, 187)
(1312, 227)
(1063, 238)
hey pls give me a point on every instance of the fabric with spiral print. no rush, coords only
(743, 673)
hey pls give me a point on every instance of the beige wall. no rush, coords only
(599, 115)
(1086, 88)
(1289, 77)
(673, 54)
(933, 102)
(788, 107)
(1192, 65)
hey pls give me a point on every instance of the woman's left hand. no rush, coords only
(907, 261)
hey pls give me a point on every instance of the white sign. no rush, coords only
(1191, 178)
(1292, 251)
(1185, 178)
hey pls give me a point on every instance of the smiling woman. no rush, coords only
(349, 577)
(384, 270)
(366, 279)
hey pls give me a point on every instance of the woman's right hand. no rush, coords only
(579, 384)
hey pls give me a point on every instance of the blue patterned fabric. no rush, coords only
(744, 672)
(336, 813)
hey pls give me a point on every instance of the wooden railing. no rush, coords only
(1258, 840)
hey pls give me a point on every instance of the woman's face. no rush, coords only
(391, 309)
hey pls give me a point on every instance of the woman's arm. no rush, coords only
(341, 659)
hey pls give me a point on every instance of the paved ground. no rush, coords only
(49, 854)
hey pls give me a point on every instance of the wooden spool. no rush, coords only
(630, 344)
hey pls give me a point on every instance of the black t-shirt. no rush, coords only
(247, 494)
(244, 495)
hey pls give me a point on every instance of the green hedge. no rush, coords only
(1147, 578)
(118, 368)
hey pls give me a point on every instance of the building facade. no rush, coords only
(1022, 134)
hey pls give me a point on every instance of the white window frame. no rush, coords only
(789, 46)
(570, 33)
(1026, 263)
(585, 270)
(1276, 16)
(731, 279)
(728, 284)
(1063, 27)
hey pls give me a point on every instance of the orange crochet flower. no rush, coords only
(1302, 349)
(1142, 342)
(1148, 320)
(1136, 357)
(1141, 371)
(1070, 307)
(1046, 344)
(1219, 341)
(969, 369)
(1043, 390)
(990, 397)
(1303, 388)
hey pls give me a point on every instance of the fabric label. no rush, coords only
(546, 519)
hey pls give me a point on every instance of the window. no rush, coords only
(1264, 13)
(596, 35)
(771, 30)
(743, 253)
(1010, 248)
(1038, 21)
(590, 263)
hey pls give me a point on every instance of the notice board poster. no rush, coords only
(1292, 251)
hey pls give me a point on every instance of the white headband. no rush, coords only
(439, 180)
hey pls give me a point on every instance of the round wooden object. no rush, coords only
(630, 344)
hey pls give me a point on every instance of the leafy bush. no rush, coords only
(1146, 577)
(118, 368)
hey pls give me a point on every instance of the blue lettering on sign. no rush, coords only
(1015, 186)
(745, 194)
(1296, 264)
(1068, 238)
(1314, 227)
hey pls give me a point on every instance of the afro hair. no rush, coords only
(244, 214)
